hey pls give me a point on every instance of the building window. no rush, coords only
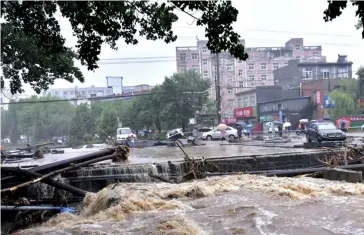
(229, 80)
(325, 73)
(264, 77)
(275, 66)
(239, 61)
(307, 73)
(342, 73)
(183, 68)
(250, 66)
(194, 56)
(251, 78)
(204, 49)
(56, 93)
(298, 47)
(241, 84)
(240, 102)
(240, 72)
(252, 100)
(65, 93)
(205, 74)
(195, 68)
(230, 91)
(298, 57)
(183, 57)
(229, 67)
(230, 103)
(285, 64)
(204, 62)
(245, 102)
(71, 92)
(263, 66)
(315, 54)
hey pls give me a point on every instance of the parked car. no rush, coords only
(362, 127)
(203, 130)
(324, 131)
(231, 133)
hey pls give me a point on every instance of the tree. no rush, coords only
(170, 104)
(42, 118)
(79, 126)
(108, 123)
(344, 104)
(335, 9)
(185, 91)
(33, 46)
(359, 25)
(360, 86)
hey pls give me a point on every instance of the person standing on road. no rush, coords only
(223, 133)
(195, 135)
(240, 131)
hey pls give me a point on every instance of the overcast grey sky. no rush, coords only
(296, 18)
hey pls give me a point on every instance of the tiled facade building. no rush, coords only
(235, 75)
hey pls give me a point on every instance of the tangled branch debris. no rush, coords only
(345, 156)
(195, 169)
(121, 153)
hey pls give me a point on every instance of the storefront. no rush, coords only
(267, 118)
(228, 121)
(246, 114)
(352, 121)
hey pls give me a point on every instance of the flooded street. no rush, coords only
(211, 149)
(243, 204)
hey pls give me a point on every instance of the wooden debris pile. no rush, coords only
(14, 179)
(196, 169)
(345, 156)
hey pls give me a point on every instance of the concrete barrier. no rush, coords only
(343, 175)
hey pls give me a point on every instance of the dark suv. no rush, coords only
(324, 131)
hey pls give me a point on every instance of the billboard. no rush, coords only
(244, 112)
(116, 83)
(328, 102)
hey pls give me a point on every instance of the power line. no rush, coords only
(97, 98)
(284, 32)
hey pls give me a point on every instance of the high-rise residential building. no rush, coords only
(232, 72)
(236, 75)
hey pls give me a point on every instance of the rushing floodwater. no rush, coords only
(242, 204)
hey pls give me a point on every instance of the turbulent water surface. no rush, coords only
(242, 204)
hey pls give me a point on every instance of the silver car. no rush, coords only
(230, 132)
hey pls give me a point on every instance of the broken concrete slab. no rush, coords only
(277, 141)
(343, 175)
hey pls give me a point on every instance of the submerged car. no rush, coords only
(230, 132)
(324, 131)
(174, 134)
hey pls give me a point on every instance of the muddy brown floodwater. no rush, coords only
(240, 204)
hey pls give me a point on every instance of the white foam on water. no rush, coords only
(263, 220)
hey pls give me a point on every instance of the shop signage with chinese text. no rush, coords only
(244, 112)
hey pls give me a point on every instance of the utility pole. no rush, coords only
(218, 93)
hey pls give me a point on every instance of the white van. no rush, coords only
(123, 133)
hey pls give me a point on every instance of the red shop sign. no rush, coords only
(228, 120)
(243, 112)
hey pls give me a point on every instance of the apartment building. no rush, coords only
(232, 72)
(78, 92)
(235, 75)
(297, 71)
